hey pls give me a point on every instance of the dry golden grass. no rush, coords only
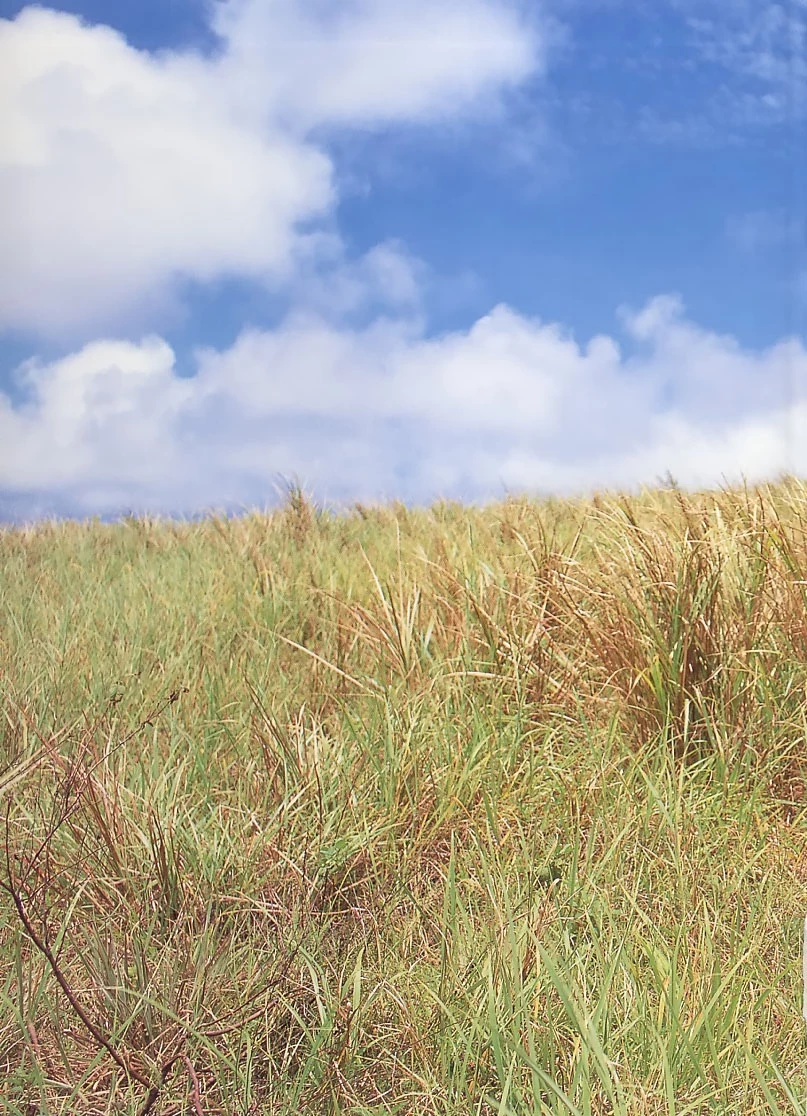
(494, 811)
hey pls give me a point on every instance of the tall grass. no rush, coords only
(494, 811)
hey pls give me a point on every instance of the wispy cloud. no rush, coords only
(699, 73)
(760, 48)
(764, 229)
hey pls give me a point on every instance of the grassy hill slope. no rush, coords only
(493, 811)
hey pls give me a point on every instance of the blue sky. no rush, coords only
(447, 248)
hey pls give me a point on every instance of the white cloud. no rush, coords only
(367, 413)
(109, 410)
(120, 172)
(385, 276)
(372, 61)
(123, 172)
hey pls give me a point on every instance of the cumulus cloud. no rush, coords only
(109, 409)
(120, 172)
(512, 403)
(123, 172)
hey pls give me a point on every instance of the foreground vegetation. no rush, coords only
(457, 811)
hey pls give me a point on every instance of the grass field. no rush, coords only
(494, 811)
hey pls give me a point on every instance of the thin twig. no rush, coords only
(47, 953)
(153, 1094)
(196, 1092)
(78, 784)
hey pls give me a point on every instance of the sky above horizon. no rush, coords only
(433, 249)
